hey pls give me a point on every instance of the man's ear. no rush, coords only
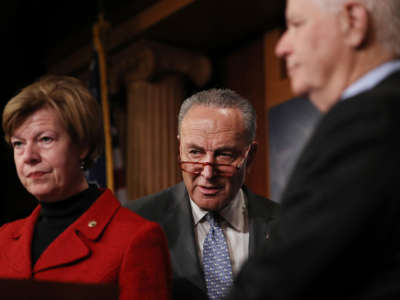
(252, 154)
(179, 144)
(354, 23)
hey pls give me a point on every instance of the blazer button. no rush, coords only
(267, 236)
(92, 223)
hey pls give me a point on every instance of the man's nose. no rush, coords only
(281, 49)
(208, 169)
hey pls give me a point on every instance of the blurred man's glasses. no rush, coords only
(219, 169)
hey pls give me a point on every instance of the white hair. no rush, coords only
(385, 16)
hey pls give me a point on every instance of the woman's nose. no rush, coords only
(31, 155)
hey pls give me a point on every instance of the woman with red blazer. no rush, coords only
(78, 232)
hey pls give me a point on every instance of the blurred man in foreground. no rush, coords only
(340, 224)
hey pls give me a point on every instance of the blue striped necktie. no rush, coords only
(216, 263)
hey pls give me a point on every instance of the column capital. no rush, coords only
(145, 60)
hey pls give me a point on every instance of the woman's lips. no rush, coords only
(36, 174)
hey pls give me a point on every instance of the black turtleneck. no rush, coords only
(55, 217)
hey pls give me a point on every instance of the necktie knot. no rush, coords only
(213, 219)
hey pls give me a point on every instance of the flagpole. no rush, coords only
(104, 101)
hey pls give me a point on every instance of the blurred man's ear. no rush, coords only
(179, 145)
(354, 22)
(252, 153)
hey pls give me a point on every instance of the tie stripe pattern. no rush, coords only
(216, 263)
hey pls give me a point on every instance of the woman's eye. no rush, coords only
(46, 139)
(16, 144)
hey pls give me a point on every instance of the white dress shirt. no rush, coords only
(371, 79)
(234, 225)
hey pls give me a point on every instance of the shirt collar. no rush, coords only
(371, 79)
(235, 213)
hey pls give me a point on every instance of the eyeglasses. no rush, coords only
(224, 170)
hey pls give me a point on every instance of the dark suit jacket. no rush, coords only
(171, 209)
(340, 221)
(121, 248)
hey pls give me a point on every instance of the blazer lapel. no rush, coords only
(19, 247)
(66, 248)
(183, 249)
(70, 246)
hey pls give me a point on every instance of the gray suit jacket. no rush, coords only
(171, 209)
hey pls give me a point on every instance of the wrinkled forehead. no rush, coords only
(297, 8)
(213, 124)
(212, 119)
(326, 5)
(312, 10)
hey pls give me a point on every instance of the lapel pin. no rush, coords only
(92, 223)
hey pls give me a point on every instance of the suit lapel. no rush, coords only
(179, 225)
(260, 214)
(183, 250)
(70, 246)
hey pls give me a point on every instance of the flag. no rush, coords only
(120, 189)
(97, 173)
(108, 170)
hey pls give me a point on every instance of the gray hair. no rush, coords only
(385, 17)
(222, 98)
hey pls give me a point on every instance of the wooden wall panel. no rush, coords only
(257, 74)
(152, 151)
(243, 72)
(277, 85)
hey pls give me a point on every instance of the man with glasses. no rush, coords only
(213, 222)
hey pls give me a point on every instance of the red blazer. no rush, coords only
(107, 244)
